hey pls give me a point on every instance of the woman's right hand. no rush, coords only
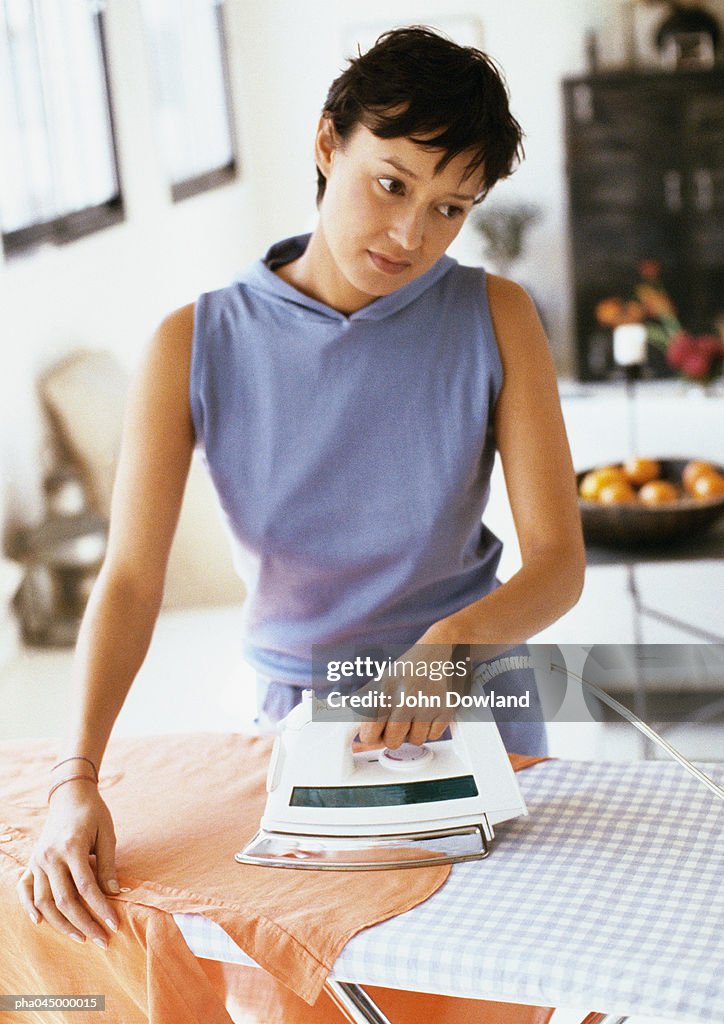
(72, 865)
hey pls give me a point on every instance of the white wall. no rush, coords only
(110, 289)
(536, 44)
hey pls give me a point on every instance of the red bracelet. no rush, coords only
(77, 757)
(71, 778)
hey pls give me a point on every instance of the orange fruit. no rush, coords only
(610, 312)
(592, 483)
(658, 492)
(692, 470)
(639, 471)
(617, 492)
(708, 485)
(588, 487)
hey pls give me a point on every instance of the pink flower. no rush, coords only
(650, 270)
(696, 364)
(680, 347)
(711, 345)
(695, 356)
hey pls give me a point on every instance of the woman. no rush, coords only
(349, 393)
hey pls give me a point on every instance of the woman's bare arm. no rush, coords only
(155, 456)
(531, 438)
(61, 885)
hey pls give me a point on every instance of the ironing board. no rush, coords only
(609, 895)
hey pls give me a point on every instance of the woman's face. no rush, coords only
(387, 216)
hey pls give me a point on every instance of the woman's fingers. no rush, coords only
(393, 731)
(419, 732)
(403, 724)
(70, 898)
(437, 728)
(106, 865)
(371, 732)
(45, 901)
(25, 895)
(396, 730)
(86, 885)
(73, 861)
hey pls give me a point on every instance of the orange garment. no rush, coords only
(183, 805)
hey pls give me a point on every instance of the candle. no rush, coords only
(629, 344)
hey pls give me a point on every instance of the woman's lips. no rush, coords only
(386, 265)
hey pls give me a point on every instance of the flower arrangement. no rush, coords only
(697, 357)
(503, 227)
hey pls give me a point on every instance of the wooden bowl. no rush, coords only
(625, 526)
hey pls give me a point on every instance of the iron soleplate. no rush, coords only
(365, 853)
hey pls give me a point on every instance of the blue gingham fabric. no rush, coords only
(609, 895)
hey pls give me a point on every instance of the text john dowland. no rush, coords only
(418, 699)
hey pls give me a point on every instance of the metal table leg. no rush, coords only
(354, 1003)
(357, 1007)
(639, 696)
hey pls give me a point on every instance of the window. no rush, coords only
(188, 54)
(58, 172)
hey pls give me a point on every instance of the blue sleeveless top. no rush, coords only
(351, 455)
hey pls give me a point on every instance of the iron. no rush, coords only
(329, 808)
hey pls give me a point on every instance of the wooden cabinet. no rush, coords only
(645, 165)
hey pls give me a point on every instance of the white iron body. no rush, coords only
(320, 790)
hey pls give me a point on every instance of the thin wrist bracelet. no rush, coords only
(71, 778)
(77, 757)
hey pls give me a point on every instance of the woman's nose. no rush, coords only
(408, 228)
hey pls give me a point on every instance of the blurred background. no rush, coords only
(151, 149)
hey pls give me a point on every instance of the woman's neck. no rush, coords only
(316, 275)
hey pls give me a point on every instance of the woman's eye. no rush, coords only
(450, 211)
(392, 185)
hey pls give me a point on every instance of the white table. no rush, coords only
(609, 895)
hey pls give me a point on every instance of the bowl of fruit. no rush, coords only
(649, 501)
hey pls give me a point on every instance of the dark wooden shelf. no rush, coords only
(645, 168)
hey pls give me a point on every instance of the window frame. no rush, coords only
(205, 182)
(69, 227)
(225, 174)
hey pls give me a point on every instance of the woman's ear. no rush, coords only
(326, 144)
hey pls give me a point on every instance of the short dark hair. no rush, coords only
(414, 82)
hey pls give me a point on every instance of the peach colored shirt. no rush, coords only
(183, 805)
